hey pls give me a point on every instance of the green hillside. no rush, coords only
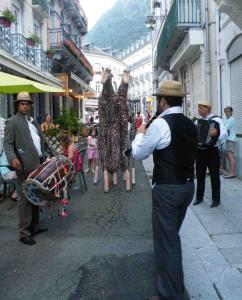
(122, 25)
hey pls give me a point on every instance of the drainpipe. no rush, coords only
(207, 55)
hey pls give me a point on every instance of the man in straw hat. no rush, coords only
(207, 157)
(24, 148)
(172, 139)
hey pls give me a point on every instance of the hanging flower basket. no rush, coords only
(30, 42)
(5, 22)
(50, 53)
(7, 18)
(33, 40)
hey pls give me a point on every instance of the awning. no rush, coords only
(82, 83)
(10, 84)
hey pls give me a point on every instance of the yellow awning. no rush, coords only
(10, 84)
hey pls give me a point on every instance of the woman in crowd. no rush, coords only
(92, 150)
(230, 146)
(47, 123)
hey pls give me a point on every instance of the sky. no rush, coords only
(94, 9)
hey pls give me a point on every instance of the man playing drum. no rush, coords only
(24, 148)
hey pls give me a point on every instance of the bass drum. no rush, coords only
(49, 180)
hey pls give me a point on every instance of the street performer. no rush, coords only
(24, 148)
(172, 139)
(207, 155)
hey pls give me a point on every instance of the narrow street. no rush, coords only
(103, 250)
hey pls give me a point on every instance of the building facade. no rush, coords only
(185, 47)
(100, 59)
(44, 44)
(138, 58)
(200, 43)
(229, 61)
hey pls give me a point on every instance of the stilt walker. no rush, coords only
(109, 130)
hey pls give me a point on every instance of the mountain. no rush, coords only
(122, 25)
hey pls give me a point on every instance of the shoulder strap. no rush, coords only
(215, 116)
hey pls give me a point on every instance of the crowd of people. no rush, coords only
(177, 144)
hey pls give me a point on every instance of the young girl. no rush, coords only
(92, 150)
(70, 151)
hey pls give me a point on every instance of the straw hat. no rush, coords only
(23, 96)
(170, 88)
(204, 103)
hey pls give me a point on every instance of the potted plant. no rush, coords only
(7, 18)
(50, 53)
(33, 40)
(69, 121)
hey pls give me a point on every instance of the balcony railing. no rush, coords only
(43, 4)
(182, 15)
(5, 39)
(16, 45)
(59, 37)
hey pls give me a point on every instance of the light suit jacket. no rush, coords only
(18, 143)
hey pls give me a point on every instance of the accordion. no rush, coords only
(205, 141)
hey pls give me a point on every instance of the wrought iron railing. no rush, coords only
(5, 39)
(19, 46)
(59, 37)
(42, 61)
(44, 4)
(183, 14)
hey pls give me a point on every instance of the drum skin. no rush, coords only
(48, 180)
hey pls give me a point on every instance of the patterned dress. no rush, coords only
(124, 119)
(109, 128)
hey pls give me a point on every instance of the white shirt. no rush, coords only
(157, 136)
(35, 136)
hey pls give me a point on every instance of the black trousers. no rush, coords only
(170, 204)
(208, 158)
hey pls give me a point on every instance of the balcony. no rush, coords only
(183, 14)
(69, 51)
(73, 8)
(41, 7)
(59, 37)
(17, 46)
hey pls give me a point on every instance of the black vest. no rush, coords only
(175, 163)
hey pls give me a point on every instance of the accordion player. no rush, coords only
(205, 141)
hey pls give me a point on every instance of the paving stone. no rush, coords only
(211, 257)
(228, 240)
(233, 255)
(217, 223)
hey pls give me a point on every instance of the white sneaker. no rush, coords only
(87, 170)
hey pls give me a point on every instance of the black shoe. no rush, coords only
(197, 201)
(215, 203)
(40, 230)
(27, 240)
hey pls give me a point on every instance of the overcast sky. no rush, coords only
(94, 9)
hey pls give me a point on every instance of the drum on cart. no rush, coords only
(49, 180)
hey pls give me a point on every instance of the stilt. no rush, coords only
(95, 178)
(127, 176)
(115, 179)
(124, 176)
(133, 176)
(106, 181)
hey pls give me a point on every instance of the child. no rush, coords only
(70, 151)
(92, 150)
